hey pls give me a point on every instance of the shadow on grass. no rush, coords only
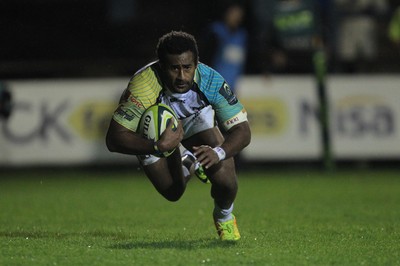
(173, 244)
(37, 234)
(119, 236)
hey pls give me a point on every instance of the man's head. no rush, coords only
(178, 56)
(176, 42)
(234, 16)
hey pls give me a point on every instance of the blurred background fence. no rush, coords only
(65, 63)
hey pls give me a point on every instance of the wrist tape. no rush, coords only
(220, 152)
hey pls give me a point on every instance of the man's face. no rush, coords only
(179, 71)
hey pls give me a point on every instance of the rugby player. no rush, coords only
(201, 98)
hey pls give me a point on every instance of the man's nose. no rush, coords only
(181, 74)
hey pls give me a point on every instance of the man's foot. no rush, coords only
(201, 174)
(194, 167)
(228, 231)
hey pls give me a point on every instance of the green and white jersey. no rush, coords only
(210, 89)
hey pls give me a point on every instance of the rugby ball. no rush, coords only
(154, 121)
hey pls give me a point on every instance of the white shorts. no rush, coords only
(197, 122)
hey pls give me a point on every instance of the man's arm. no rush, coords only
(236, 139)
(122, 140)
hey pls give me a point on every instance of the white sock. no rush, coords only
(196, 165)
(185, 151)
(222, 215)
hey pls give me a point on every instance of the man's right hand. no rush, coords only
(171, 137)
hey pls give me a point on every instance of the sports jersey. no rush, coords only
(231, 52)
(146, 88)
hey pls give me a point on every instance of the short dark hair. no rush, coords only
(176, 42)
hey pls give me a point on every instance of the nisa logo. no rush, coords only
(365, 115)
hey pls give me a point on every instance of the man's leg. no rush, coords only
(224, 184)
(224, 189)
(223, 175)
(167, 176)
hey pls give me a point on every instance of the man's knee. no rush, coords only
(226, 185)
(223, 173)
(173, 193)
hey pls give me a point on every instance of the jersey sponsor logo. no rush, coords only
(232, 121)
(126, 114)
(227, 93)
(135, 102)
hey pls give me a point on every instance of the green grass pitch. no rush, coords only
(86, 217)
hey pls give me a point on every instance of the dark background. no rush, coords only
(105, 38)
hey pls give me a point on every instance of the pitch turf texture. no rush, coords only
(84, 217)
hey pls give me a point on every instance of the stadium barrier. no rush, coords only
(284, 114)
(63, 122)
